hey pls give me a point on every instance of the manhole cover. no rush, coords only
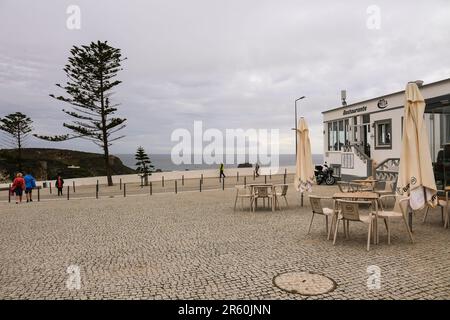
(304, 283)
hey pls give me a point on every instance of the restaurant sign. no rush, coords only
(355, 110)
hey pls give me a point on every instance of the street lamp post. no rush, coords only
(302, 97)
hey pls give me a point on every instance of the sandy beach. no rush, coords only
(170, 175)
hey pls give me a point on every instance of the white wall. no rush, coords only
(379, 155)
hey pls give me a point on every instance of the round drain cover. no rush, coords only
(304, 283)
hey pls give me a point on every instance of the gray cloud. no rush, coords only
(232, 64)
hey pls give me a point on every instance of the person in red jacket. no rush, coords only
(59, 184)
(17, 187)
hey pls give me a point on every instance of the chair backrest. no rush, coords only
(350, 209)
(354, 186)
(403, 204)
(389, 185)
(344, 186)
(284, 189)
(316, 204)
(241, 189)
(261, 191)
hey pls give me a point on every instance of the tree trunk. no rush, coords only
(105, 133)
(19, 149)
(107, 166)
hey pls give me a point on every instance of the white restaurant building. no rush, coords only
(366, 136)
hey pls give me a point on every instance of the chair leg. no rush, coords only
(235, 201)
(408, 229)
(348, 229)
(368, 235)
(388, 224)
(447, 216)
(287, 204)
(344, 226)
(335, 231)
(326, 224)
(375, 231)
(442, 215)
(374, 235)
(426, 213)
(310, 224)
(446, 220)
(332, 223)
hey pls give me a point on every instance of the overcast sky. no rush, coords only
(230, 63)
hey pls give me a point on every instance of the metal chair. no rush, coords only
(242, 192)
(388, 188)
(442, 204)
(349, 211)
(261, 192)
(318, 208)
(344, 186)
(282, 193)
(387, 215)
(359, 187)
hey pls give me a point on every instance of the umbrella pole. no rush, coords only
(410, 217)
(410, 214)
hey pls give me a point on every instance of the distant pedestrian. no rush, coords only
(30, 184)
(59, 184)
(257, 169)
(17, 187)
(222, 175)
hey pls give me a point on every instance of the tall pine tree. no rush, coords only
(143, 164)
(91, 73)
(17, 127)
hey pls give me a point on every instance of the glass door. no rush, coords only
(365, 134)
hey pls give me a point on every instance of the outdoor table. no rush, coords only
(372, 182)
(366, 195)
(266, 185)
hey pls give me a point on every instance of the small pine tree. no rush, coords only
(17, 127)
(144, 165)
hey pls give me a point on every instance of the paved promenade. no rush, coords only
(193, 246)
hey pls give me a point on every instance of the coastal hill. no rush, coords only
(47, 163)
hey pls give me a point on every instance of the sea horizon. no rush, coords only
(164, 162)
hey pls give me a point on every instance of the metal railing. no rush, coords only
(388, 169)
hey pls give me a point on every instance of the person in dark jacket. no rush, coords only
(257, 169)
(59, 184)
(17, 187)
(30, 184)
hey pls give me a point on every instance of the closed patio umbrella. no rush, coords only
(416, 177)
(304, 174)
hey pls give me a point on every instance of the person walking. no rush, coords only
(17, 187)
(257, 169)
(59, 184)
(222, 175)
(30, 184)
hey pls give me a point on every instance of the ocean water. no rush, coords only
(164, 162)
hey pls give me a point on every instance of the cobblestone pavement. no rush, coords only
(193, 246)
